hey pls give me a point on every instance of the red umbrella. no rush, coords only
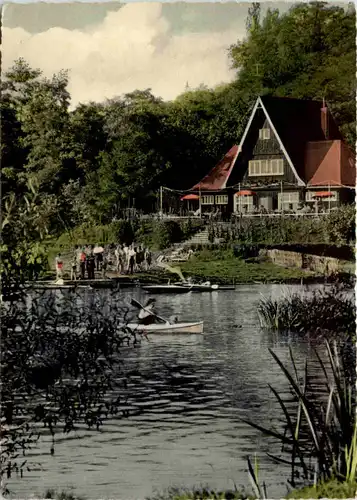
(245, 193)
(190, 197)
(322, 194)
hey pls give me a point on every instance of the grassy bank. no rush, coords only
(223, 267)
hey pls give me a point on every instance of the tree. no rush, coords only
(16, 88)
(57, 357)
(308, 52)
(45, 122)
(133, 161)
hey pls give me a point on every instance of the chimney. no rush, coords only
(324, 119)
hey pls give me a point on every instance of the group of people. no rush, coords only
(131, 258)
(88, 259)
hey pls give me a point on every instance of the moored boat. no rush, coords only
(194, 327)
(166, 289)
(38, 286)
(55, 285)
(204, 287)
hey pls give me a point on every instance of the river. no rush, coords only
(190, 431)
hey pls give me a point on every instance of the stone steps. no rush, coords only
(200, 238)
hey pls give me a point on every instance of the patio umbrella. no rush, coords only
(245, 192)
(190, 197)
(322, 194)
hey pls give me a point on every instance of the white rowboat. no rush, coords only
(196, 327)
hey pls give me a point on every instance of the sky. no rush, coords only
(111, 48)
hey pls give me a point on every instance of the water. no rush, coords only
(189, 432)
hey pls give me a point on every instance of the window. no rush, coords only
(266, 167)
(244, 203)
(222, 199)
(288, 200)
(310, 196)
(254, 167)
(277, 167)
(264, 133)
(207, 200)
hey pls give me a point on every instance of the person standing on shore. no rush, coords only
(120, 259)
(104, 265)
(74, 268)
(82, 263)
(59, 266)
(147, 258)
(125, 253)
(140, 258)
(78, 252)
(98, 253)
(90, 264)
(131, 260)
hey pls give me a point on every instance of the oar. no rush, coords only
(136, 303)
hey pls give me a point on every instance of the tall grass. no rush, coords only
(319, 438)
(330, 309)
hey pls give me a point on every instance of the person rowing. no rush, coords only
(147, 314)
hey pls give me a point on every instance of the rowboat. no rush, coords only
(196, 327)
(166, 289)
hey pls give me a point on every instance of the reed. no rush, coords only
(319, 439)
(328, 310)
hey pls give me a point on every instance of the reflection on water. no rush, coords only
(187, 398)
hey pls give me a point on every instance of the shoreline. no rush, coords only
(158, 277)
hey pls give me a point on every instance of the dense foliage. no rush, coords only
(336, 228)
(58, 352)
(100, 159)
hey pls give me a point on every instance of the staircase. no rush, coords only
(200, 238)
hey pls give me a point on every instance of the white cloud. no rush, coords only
(131, 49)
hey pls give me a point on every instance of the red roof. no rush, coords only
(219, 175)
(329, 163)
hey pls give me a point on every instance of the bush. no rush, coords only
(121, 231)
(337, 228)
(166, 233)
(245, 251)
(340, 226)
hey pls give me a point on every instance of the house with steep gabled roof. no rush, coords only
(290, 156)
